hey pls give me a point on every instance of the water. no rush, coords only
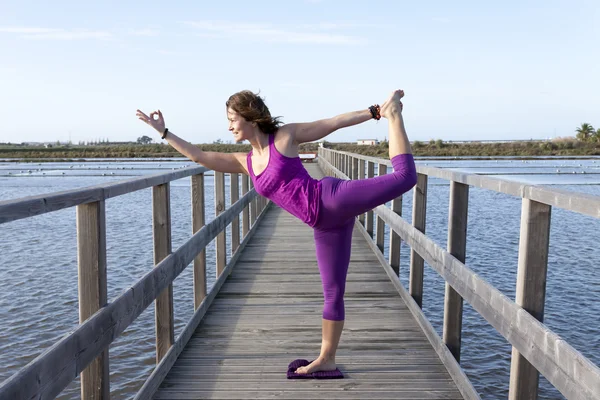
(38, 262)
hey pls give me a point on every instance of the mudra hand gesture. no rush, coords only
(156, 123)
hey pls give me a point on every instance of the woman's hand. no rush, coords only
(156, 123)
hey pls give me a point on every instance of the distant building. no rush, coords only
(367, 142)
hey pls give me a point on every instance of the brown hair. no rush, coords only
(253, 109)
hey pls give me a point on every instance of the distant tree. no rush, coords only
(218, 141)
(144, 140)
(585, 132)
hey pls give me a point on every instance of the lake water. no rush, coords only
(38, 262)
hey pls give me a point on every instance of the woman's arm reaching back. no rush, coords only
(311, 131)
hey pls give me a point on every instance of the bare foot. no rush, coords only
(320, 364)
(392, 105)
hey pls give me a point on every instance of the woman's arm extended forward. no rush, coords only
(222, 162)
(311, 131)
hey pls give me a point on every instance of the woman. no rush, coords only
(329, 205)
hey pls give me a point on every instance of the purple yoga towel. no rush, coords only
(294, 365)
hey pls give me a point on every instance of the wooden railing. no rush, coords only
(85, 350)
(535, 347)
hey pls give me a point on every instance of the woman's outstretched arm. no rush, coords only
(311, 131)
(222, 162)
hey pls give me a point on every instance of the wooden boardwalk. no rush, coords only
(268, 313)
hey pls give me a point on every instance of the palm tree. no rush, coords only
(585, 131)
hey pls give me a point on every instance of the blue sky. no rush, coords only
(470, 69)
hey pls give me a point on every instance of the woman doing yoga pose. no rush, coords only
(329, 205)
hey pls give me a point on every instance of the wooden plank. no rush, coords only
(12, 210)
(198, 221)
(567, 369)
(327, 393)
(457, 246)
(91, 260)
(49, 373)
(531, 289)
(161, 228)
(380, 235)
(221, 245)
(419, 218)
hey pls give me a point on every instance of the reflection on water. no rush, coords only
(38, 262)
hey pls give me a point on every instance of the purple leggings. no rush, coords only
(341, 202)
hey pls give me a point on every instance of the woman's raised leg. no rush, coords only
(392, 110)
(344, 199)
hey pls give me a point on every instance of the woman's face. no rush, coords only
(241, 129)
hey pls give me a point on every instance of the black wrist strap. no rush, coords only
(164, 135)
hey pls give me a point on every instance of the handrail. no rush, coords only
(579, 202)
(11, 210)
(567, 369)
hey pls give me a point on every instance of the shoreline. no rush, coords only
(438, 149)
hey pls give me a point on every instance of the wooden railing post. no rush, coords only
(235, 224)
(348, 166)
(354, 168)
(253, 210)
(370, 174)
(416, 262)
(246, 212)
(457, 246)
(380, 236)
(198, 221)
(220, 245)
(361, 175)
(161, 225)
(91, 260)
(531, 289)
(395, 238)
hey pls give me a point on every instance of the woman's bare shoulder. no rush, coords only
(285, 140)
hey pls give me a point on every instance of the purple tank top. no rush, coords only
(287, 183)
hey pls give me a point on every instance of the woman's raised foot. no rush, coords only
(392, 105)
